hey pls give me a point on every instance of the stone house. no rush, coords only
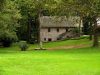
(57, 28)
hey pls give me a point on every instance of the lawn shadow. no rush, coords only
(8, 50)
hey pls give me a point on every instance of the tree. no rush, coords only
(82, 8)
(88, 27)
(28, 24)
(9, 22)
(31, 12)
(91, 8)
(40, 6)
(2, 4)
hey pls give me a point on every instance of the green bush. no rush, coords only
(9, 17)
(7, 38)
(84, 37)
(23, 45)
(76, 30)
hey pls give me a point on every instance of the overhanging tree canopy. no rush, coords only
(81, 8)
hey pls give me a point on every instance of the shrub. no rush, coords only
(6, 42)
(76, 30)
(23, 45)
(84, 37)
(9, 17)
(7, 38)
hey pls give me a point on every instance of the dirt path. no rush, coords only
(68, 47)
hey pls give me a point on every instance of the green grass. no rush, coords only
(65, 43)
(83, 61)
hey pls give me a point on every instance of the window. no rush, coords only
(49, 30)
(49, 39)
(66, 29)
(44, 39)
(58, 38)
(57, 29)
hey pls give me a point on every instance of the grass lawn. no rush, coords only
(82, 61)
(65, 43)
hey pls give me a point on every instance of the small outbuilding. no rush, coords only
(58, 28)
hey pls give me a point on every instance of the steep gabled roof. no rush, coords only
(53, 21)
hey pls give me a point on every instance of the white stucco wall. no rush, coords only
(53, 34)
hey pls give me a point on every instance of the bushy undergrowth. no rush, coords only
(23, 45)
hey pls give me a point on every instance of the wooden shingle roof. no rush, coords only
(53, 21)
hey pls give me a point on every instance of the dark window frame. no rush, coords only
(45, 39)
(49, 39)
(57, 29)
(66, 29)
(49, 29)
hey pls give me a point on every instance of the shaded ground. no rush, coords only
(67, 44)
(69, 47)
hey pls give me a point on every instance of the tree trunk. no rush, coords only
(95, 41)
(38, 23)
(91, 31)
(29, 30)
(80, 27)
(39, 29)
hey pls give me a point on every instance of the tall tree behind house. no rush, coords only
(83, 8)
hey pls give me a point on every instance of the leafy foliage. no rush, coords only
(23, 45)
(29, 10)
(2, 4)
(82, 8)
(9, 17)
